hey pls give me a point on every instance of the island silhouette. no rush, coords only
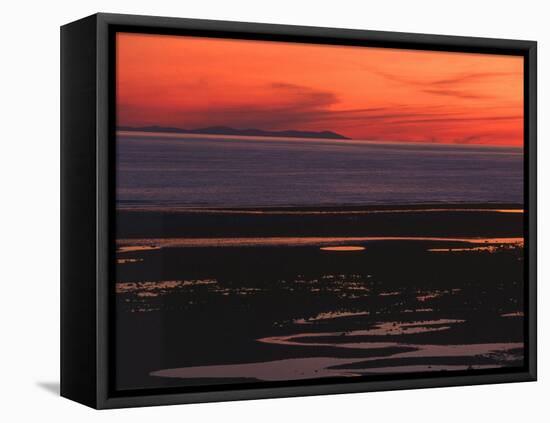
(226, 130)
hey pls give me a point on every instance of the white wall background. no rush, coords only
(29, 167)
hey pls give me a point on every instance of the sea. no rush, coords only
(181, 170)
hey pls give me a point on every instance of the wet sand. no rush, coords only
(429, 220)
(414, 292)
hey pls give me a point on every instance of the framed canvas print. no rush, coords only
(253, 211)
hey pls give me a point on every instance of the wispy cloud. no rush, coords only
(455, 86)
(455, 93)
(473, 76)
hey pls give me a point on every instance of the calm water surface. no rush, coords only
(214, 171)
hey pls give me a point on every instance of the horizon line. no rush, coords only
(124, 128)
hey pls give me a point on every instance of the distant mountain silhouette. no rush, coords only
(225, 130)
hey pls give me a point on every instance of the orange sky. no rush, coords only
(362, 93)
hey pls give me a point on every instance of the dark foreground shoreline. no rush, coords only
(417, 220)
(219, 315)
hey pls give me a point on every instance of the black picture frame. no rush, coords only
(87, 211)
